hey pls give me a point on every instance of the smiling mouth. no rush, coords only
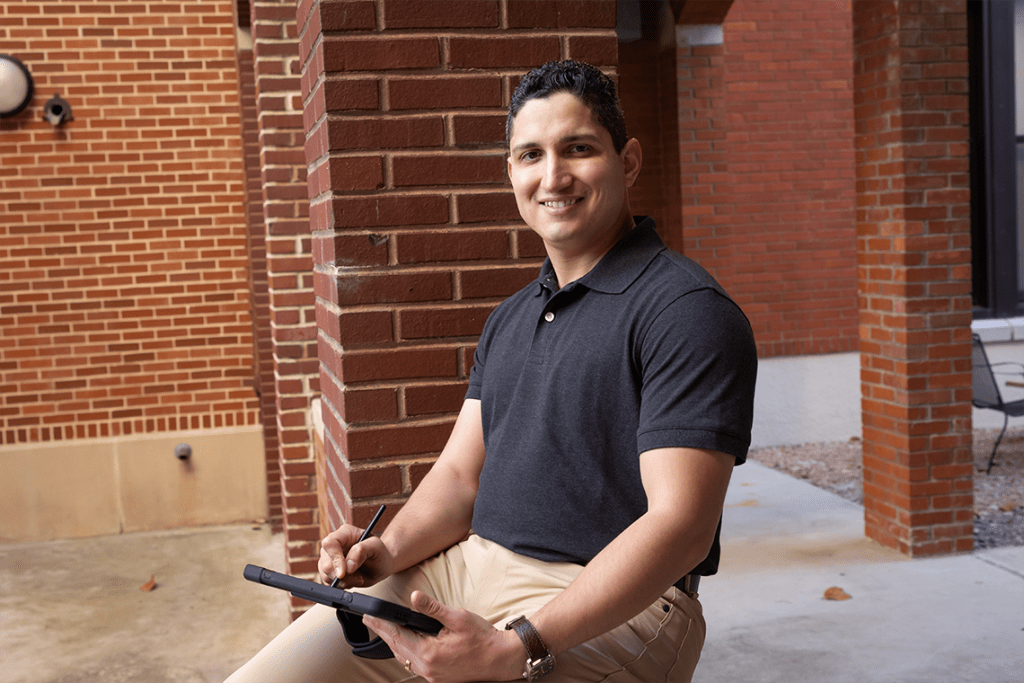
(561, 204)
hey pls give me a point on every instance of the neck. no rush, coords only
(570, 264)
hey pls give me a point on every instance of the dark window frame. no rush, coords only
(995, 254)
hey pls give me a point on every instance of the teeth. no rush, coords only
(561, 204)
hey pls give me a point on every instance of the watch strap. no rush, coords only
(540, 660)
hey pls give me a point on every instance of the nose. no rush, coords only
(557, 176)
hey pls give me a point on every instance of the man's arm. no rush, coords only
(437, 516)
(686, 491)
(439, 513)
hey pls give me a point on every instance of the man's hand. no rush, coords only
(467, 648)
(357, 565)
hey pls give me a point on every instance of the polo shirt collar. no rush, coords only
(621, 266)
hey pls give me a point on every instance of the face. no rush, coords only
(569, 182)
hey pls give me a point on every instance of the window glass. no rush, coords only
(1020, 211)
(1018, 62)
(996, 48)
(1018, 81)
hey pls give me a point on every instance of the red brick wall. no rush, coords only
(292, 319)
(647, 88)
(754, 176)
(123, 294)
(415, 232)
(913, 226)
(704, 163)
(788, 248)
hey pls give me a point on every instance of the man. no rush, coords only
(581, 489)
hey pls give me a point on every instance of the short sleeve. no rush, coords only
(698, 364)
(475, 388)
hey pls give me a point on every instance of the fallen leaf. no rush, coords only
(836, 593)
(1008, 507)
(752, 503)
(147, 587)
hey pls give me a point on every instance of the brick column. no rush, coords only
(415, 231)
(703, 160)
(259, 301)
(289, 272)
(647, 88)
(914, 273)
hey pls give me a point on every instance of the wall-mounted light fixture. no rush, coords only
(16, 86)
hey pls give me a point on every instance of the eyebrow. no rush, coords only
(574, 137)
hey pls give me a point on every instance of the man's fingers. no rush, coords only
(450, 618)
(326, 565)
(382, 628)
(421, 602)
(333, 562)
(349, 566)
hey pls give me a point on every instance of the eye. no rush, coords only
(529, 155)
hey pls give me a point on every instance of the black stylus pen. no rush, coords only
(366, 534)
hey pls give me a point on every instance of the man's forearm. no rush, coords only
(630, 574)
(437, 516)
(685, 495)
(439, 513)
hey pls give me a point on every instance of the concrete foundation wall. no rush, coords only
(804, 399)
(109, 486)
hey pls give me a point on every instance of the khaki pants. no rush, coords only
(662, 643)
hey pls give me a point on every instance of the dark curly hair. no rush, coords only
(594, 88)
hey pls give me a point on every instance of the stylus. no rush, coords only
(366, 535)
(373, 523)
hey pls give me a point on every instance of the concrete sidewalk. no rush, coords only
(72, 611)
(956, 619)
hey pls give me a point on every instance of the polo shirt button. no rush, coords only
(549, 316)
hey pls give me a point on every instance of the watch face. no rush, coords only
(539, 668)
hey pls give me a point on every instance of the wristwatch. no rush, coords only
(539, 660)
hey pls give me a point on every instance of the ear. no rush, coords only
(632, 158)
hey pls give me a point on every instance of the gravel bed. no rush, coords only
(998, 497)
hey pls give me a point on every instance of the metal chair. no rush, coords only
(986, 391)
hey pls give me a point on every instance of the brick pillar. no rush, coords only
(289, 272)
(703, 161)
(647, 88)
(914, 273)
(415, 230)
(259, 301)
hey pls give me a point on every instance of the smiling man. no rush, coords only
(563, 530)
(571, 180)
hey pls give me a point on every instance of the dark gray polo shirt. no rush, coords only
(645, 351)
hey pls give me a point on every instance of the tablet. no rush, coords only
(354, 603)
